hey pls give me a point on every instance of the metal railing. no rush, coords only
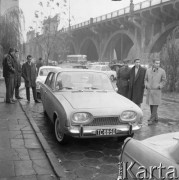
(120, 12)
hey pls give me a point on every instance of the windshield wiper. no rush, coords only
(65, 88)
(91, 88)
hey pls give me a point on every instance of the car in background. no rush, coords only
(80, 66)
(106, 69)
(41, 76)
(161, 150)
(82, 103)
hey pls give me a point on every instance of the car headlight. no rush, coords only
(128, 115)
(82, 118)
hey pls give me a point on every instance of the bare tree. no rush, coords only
(170, 60)
(50, 18)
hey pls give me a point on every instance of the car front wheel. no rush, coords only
(60, 136)
(112, 77)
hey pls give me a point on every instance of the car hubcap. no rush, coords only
(58, 133)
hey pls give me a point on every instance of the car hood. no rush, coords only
(98, 99)
(165, 144)
(41, 79)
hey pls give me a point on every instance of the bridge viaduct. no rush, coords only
(125, 33)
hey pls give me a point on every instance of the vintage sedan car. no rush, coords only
(42, 75)
(152, 158)
(106, 69)
(83, 103)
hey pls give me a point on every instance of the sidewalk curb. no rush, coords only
(56, 166)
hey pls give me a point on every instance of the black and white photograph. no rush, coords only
(89, 89)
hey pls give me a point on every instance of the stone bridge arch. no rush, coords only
(159, 39)
(123, 43)
(90, 47)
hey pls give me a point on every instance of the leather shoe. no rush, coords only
(37, 101)
(19, 97)
(10, 102)
(150, 122)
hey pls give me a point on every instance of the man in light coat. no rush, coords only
(155, 80)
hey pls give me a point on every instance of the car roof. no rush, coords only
(50, 67)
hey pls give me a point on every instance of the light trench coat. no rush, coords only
(154, 82)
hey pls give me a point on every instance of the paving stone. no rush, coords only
(109, 160)
(17, 143)
(6, 169)
(112, 152)
(108, 169)
(15, 134)
(29, 136)
(30, 177)
(93, 154)
(5, 154)
(15, 127)
(42, 166)
(74, 156)
(47, 177)
(84, 173)
(91, 163)
(36, 154)
(104, 177)
(20, 154)
(70, 165)
(24, 168)
(32, 143)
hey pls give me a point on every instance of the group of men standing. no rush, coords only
(12, 73)
(131, 83)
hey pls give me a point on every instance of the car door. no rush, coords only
(45, 91)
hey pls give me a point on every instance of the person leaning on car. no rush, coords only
(155, 80)
(136, 83)
(29, 74)
(123, 79)
(9, 75)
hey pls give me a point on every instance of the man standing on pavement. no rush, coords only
(18, 73)
(136, 83)
(29, 74)
(9, 75)
(155, 80)
(123, 79)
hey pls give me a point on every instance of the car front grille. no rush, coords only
(104, 121)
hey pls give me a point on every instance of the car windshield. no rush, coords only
(45, 71)
(83, 80)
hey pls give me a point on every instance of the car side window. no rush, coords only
(49, 78)
(52, 81)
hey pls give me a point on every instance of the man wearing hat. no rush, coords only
(123, 78)
(155, 80)
(9, 75)
(18, 73)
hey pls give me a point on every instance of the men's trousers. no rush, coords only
(154, 114)
(9, 81)
(33, 91)
(17, 91)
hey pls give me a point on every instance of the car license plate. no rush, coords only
(104, 132)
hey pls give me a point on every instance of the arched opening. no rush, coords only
(90, 50)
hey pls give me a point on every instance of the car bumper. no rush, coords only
(91, 131)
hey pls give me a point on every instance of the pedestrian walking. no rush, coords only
(155, 80)
(123, 79)
(39, 64)
(9, 75)
(136, 83)
(18, 73)
(29, 74)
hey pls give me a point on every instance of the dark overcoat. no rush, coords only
(137, 85)
(29, 74)
(18, 73)
(8, 66)
(123, 80)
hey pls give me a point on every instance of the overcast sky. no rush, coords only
(82, 10)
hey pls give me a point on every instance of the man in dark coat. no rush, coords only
(18, 73)
(9, 74)
(29, 74)
(123, 79)
(136, 83)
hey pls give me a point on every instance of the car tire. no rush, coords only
(112, 78)
(60, 137)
